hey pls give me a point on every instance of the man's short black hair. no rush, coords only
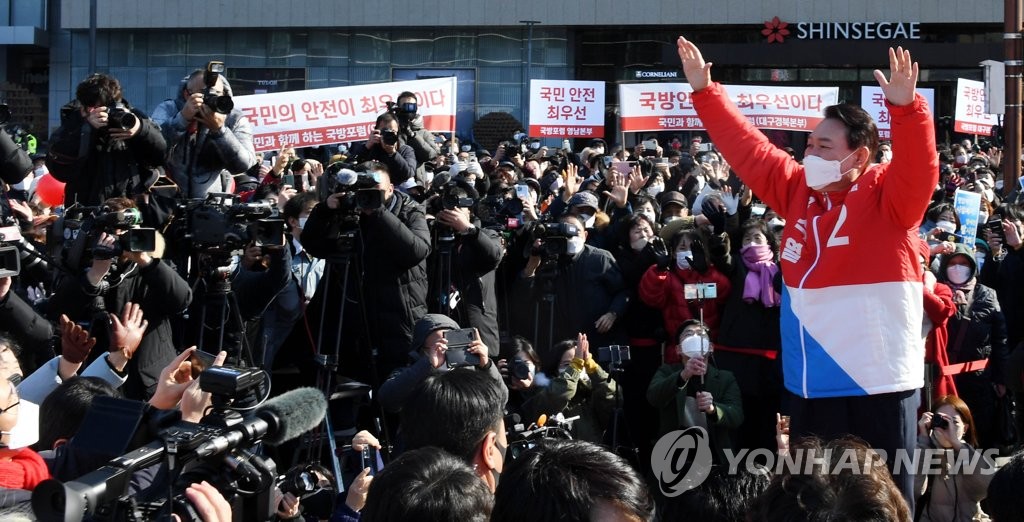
(565, 480)
(98, 90)
(1004, 501)
(71, 401)
(454, 411)
(407, 94)
(387, 117)
(722, 497)
(427, 484)
(298, 204)
(861, 130)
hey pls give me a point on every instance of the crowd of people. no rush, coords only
(513, 335)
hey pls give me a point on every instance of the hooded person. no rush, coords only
(977, 341)
(427, 356)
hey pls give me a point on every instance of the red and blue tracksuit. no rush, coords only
(852, 300)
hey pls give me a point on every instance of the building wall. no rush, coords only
(126, 14)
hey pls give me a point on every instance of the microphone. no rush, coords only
(280, 419)
(347, 177)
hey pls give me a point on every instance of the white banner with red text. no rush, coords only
(667, 106)
(873, 101)
(341, 114)
(566, 109)
(970, 116)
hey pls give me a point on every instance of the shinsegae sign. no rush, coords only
(775, 30)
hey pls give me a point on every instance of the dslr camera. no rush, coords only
(360, 190)
(389, 137)
(220, 103)
(120, 117)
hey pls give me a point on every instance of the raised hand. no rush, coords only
(698, 72)
(75, 342)
(127, 331)
(899, 88)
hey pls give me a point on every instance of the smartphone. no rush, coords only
(456, 354)
(268, 163)
(368, 459)
(705, 147)
(200, 361)
(650, 144)
(522, 191)
(995, 227)
(288, 179)
(624, 167)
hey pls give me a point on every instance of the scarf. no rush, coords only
(761, 271)
(25, 470)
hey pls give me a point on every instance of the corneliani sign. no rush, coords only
(858, 30)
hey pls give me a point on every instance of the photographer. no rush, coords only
(411, 131)
(585, 282)
(104, 148)
(464, 257)
(428, 353)
(956, 495)
(209, 140)
(384, 146)
(387, 247)
(113, 280)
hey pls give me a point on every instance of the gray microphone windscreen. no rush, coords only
(294, 413)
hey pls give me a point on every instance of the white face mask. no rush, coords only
(961, 159)
(776, 222)
(819, 172)
(639, 243)
(654, 190)
(599, 151)
(668, 219)
(302, 222)
(26, 431)
(681, 261)
(958, 274)
(982, 218)
(886, 155)
(946, 226)
(575, 246)
(40, 171)
(989, 195)
(588, 220)
(649, 215)
(695, 346)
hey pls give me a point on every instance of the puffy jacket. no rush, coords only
(665, 290)
(201, 161)
(387, 278)
(96, 168)
(852, 296)
(161, 294)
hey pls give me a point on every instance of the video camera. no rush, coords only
(5, 113)
(222, 223)
(219, 450)
(401, 109)
(500, 211)
(554, 238)
(360, 190)
(522, 437)
(81, 228)
(10, 256)
(221, 103)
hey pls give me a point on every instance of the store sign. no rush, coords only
(775, 30)
(657, 75)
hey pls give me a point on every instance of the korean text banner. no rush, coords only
(341, 114)
(873, 101)
(970, 117)
(667, 106)
(568, 109)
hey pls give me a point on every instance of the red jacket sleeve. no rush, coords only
(769, 171)
(652, 287)
(911, 177)
(938, 305)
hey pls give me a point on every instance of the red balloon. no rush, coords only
(50, 190)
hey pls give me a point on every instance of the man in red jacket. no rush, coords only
(852, 310)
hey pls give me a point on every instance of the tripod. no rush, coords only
(444, 243)
(219, 309)
(618, 355)
(546, 273)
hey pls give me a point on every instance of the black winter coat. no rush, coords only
(161, 293)
(1006, 276)
(96, 168)
(387, 290)
(474, 258)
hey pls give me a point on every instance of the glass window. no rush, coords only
(327, 48)
(367, 48)
(205, 46)
(168, 48)
(246, 49)
(28, 12)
